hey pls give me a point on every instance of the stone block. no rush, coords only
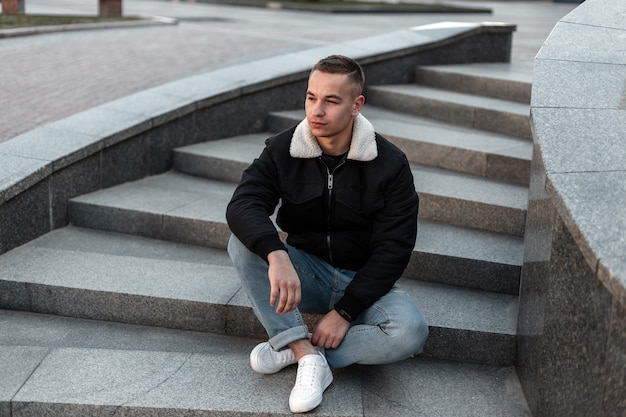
(581, 140)
(17, 364)
(82, 177)
(25, 217)
(441, 388)
(125, 161)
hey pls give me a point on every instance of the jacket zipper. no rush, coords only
(330, 185)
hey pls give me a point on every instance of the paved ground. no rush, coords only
(47, 77)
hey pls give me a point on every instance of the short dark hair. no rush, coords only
(339, 64)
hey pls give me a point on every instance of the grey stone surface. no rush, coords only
(97, 368)
(75, 239)
(147, 207)
(25, 217)
(580, 140)
(578, 84)
(584, 42)
(498, 80)
(58, 147)
(566, 317)
(18, 174)
(89, 274)
(463, 200)
(615, 364)
(571, 356)
(48, 331)
(17, 363)
(196, 216)
(436, 388)
(126, 285)
(454, 307)
(466, 258)
(594, 201)
(146, 277)
(221, 159)
(96, 381)
(159, 107)
(485, 113)
(108, 125)
(612, 273)
(79, 178)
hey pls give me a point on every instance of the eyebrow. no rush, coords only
(333, 96)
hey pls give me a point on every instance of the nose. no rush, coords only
(318, 108)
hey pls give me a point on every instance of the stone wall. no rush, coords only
(572, 321)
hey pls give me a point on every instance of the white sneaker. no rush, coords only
(265, 360)
(314, 376)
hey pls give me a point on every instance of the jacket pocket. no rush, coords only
(300, 193)
(360, 202)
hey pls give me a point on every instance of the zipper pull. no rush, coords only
(330, 181)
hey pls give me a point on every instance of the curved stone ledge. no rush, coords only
(133, 137)
(572, 317)
(578, 113)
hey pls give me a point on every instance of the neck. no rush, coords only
(333, 149)
(336, 145)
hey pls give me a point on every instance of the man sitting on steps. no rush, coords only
(349, 208)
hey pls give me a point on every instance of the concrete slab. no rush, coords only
(437, 388)
(17, 364)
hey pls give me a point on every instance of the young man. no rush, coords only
(349, 208)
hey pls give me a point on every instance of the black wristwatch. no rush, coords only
(343, 314)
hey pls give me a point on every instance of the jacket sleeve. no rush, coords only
(253, 202)
(393, 240)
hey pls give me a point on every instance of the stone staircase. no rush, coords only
(160, 327)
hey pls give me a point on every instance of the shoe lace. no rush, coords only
(306, 373)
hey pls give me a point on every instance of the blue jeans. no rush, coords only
(390, 330)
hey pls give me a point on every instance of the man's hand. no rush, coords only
(284, 282)
(330, 330)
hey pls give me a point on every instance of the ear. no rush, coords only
(357, 105)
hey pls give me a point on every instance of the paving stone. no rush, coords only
(17, 363)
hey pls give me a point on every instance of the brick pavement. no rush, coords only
(48, 77)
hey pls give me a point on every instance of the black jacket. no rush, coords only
(361, 217)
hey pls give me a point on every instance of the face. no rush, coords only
(332, 103)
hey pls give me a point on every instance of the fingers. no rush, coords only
(285, 291)
(288, 296)
(330, 331)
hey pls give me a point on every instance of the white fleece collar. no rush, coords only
(362, 148)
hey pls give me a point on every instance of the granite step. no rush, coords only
(61, 366)
(478, 112)
(445, 196)
(441, 145)
(121, 278)
(507, 81)
(191, 210)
